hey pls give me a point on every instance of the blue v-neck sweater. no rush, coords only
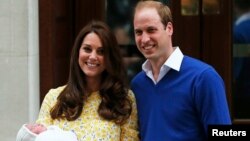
(181, 105)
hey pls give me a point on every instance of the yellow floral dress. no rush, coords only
(90, 126)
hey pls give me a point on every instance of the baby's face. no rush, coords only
(36, 128)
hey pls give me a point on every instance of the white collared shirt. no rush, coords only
(173, 62)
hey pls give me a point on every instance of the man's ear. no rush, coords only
(169, 28)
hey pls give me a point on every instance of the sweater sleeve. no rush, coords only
(129, 131)
(211, 101)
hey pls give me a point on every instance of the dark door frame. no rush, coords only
(59, 22)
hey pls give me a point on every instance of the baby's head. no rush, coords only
(54, 133)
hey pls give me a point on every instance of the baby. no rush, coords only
(38, 132)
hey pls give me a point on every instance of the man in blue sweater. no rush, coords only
(177, 96)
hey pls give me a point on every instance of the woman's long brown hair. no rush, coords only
(115, 104)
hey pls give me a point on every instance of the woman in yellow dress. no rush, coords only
(96, 103)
